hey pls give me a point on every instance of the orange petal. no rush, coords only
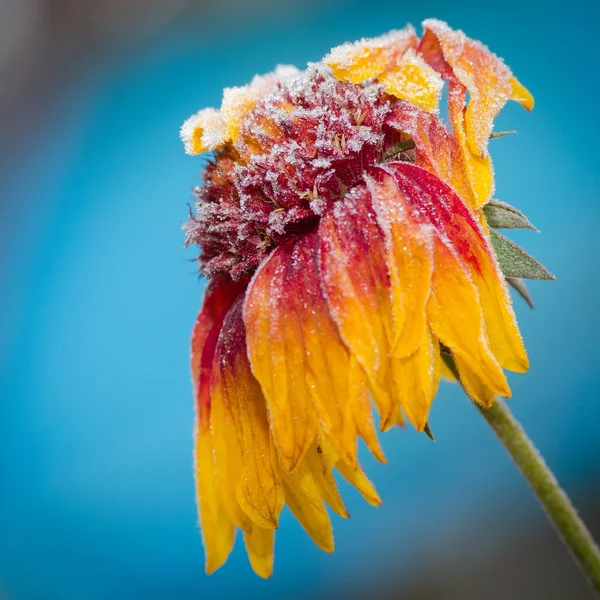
(297, 354)
(368, 58)
(218, 532)
(409, 259)
(487, 78)
(462, 258)
(412, 79)
(479, 169)
(243, 452)
(356, 283)
(465, 233)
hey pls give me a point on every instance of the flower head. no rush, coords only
(344, 231)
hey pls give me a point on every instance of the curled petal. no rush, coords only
(217, 529)
(356, 62)
(412, 79)
(479, 169)
(436, 150)
(488, 79)
(245, 461)
(206, 130)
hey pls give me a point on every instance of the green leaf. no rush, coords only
(520, 287)
(515, 262)
(500, 215)
(398, 148)
(498, 134)
(428, 432)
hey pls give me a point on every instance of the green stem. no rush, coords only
(559, 509)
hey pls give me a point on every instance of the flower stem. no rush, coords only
(561, 512)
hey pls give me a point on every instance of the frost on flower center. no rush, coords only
(301, 147)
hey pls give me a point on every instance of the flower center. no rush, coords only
(300, 149)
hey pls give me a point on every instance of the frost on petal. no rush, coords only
(368, 58)
(206, 130)
(436, 150)
(298, 356)
(412, 79)
(469, 308)
(239, 101)
(489, 81)
(242, 418)
(217, 528)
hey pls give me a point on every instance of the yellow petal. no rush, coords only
(417, 377)
(519, 93)
(368, 58)
(310, 512)
(412, 79)
(457, 320)
(260, 549)
(218, 533)
(206, 130)
(359, 480)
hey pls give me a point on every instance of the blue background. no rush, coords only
(98, 297)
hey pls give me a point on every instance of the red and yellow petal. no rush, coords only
(436, 150)
(243, 449)
(217, 529)
(488, 79)
(298, 356)
(356, 282)
(476, 320)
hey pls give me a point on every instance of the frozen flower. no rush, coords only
(343, 228)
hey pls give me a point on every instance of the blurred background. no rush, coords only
(97, 298)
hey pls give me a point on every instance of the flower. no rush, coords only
(343, 230)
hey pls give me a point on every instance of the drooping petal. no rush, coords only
(356, 62)
(297, 354)
(217, 530)
(261, 552)
(413, 80)
(408, 250)
(475, 250)
(356, 283)
(376, 275)
(488, 80)
(311, 513)
(469, 308)
(246, 466)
